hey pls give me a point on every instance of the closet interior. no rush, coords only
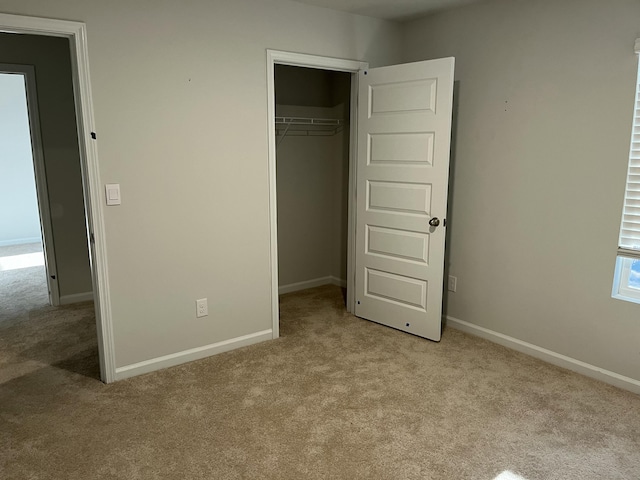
(312, 172)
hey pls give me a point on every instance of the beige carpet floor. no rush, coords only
(334, 398)
(21, 289)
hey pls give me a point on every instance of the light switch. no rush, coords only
(113, 193)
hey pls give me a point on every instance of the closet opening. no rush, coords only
(313, 142)
(312, 243)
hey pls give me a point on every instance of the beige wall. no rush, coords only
(51, 59)
(545, 100)
(306, 182)
(180, 98)
(312, 179)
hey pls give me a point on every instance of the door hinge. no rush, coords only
(92, 239)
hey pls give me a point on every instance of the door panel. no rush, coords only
(404, 132)
(398, 197)
(396, 288)
(397, 96)
(401, 148)
(389, 242)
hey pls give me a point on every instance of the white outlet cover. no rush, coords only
(202, 309)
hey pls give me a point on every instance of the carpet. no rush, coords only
(21, 289)
(335, 397)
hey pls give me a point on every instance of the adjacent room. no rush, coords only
(221, 243)
(46, 312)
(22, 274)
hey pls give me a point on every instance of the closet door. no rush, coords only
(404, 135)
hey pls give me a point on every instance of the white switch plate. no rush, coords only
(202, 309)
(112, 191)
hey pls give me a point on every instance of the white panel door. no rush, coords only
(404, 136)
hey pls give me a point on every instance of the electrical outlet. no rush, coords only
(202, 309)
(453, 283)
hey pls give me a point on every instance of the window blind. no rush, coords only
(629, 242)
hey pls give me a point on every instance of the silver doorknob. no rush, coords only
(434, 222)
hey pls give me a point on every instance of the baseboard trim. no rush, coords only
(549, 356)
(20, 241)
(189, 355)
(76, 298)
(316, 282)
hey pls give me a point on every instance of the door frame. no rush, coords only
(277, 57)
(40, 175)
(76, 33)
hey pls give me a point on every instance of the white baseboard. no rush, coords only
(316, 282)
(339, 282)
(20, 241)
(189, 355)
(549, 356)
(76, 298)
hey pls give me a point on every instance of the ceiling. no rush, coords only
(398, 10)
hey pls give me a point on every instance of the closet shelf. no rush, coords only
(308, 126)
(308, 121)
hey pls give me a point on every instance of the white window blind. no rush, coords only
(629, 242)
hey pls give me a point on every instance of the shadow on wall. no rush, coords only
(452, 176)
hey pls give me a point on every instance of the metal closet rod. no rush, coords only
(309, 121)
(335, 123)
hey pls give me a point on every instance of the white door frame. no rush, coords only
(76, 32)
(40, 175)
(275, 57)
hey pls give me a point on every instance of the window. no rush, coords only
(627, 277)
(627, 282)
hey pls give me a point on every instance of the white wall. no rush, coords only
(545, 101)
(19, 220)
(180, 103)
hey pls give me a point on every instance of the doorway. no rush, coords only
(41, 159)
(79, 87)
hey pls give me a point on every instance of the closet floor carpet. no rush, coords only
(335, 397)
